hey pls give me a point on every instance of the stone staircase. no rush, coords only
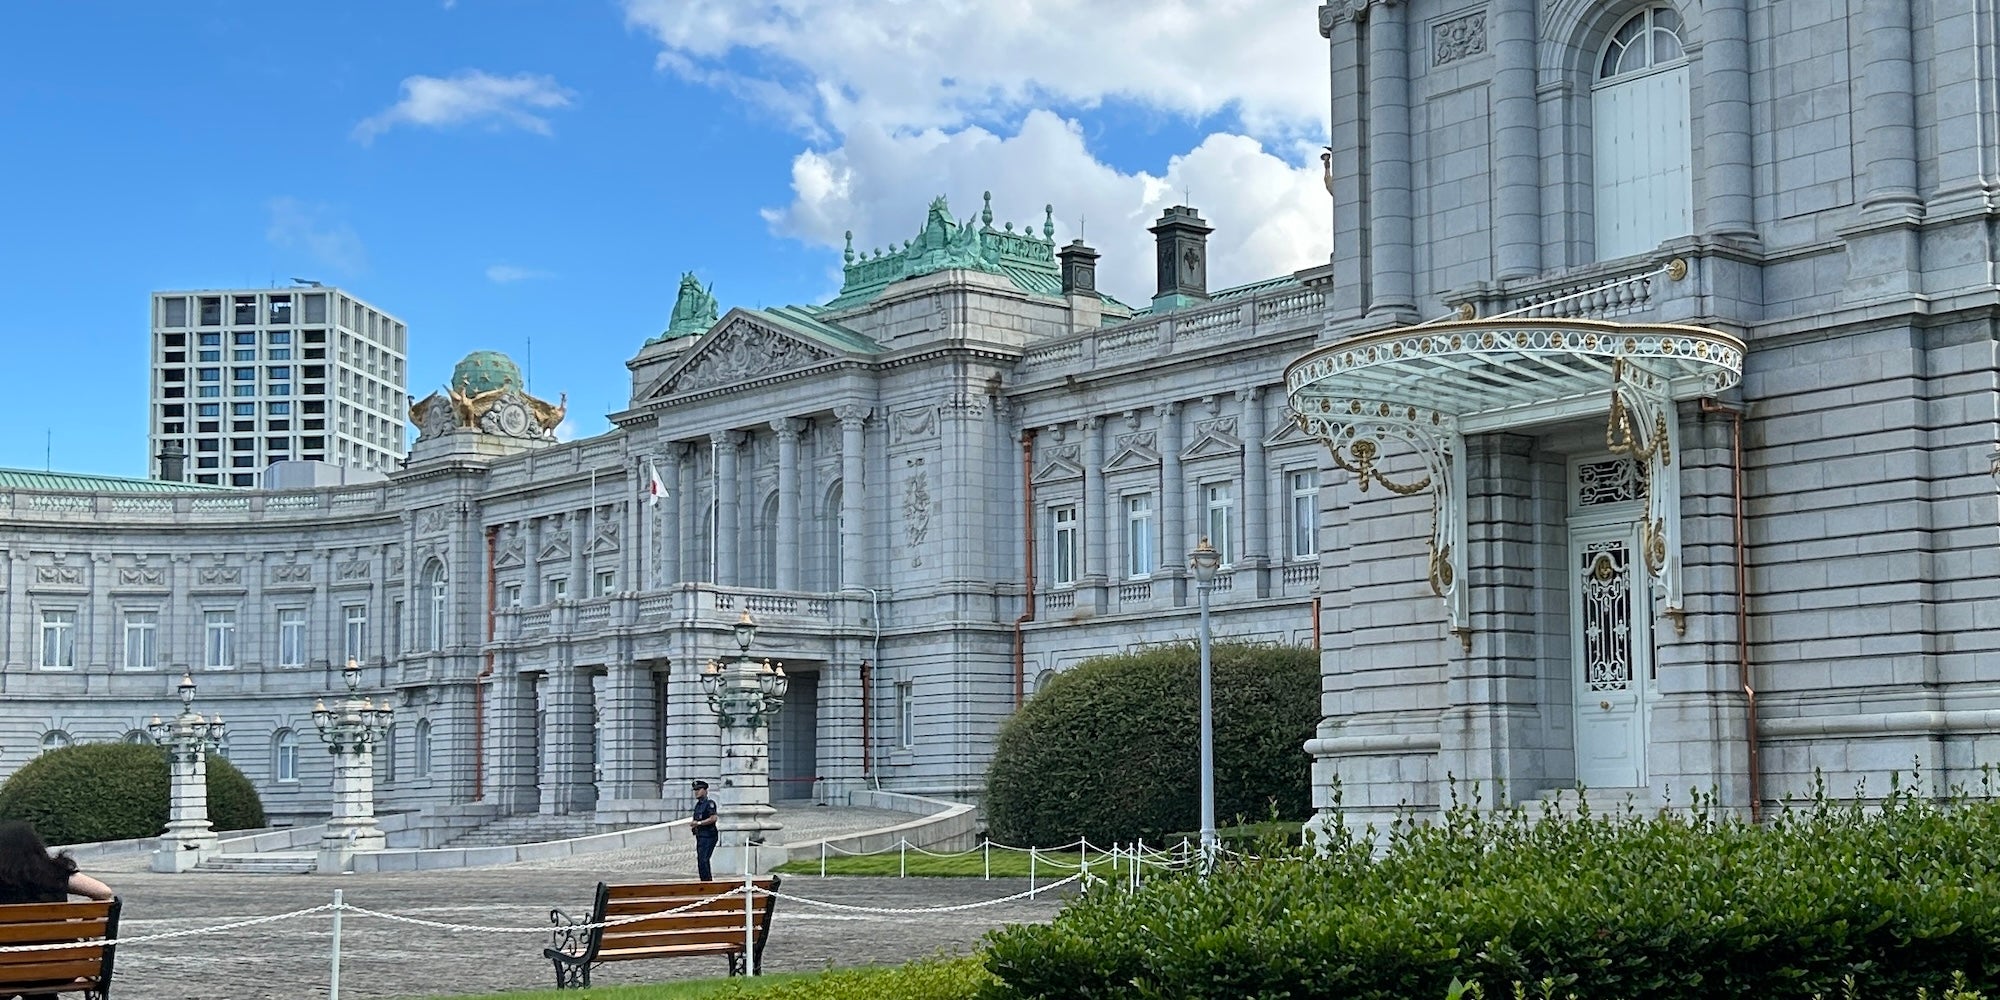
(529, 829)
(1600, 801)
(268, 863)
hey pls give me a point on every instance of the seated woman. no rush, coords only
(29, 874)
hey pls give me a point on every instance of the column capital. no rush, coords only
(1339, 12)
(851, 413)
(787, 428)
(1169, 410)
(1090, 423)
(727, 439)
(1253, 394)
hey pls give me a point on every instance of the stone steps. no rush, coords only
(531, 829)
(260, 864)
(1600, 801)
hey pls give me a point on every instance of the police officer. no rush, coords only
(705, 833)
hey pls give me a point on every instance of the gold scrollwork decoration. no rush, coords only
(1653, 542)
(1440, 574)
(1677, 269)
(1364, 469)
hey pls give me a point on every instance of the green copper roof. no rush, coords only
(805, 321)
(71, 482)
(1024, 258)
(485, 371)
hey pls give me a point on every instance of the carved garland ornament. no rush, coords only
(1458, 38)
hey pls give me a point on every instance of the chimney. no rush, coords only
(1182, 255)
(173, 463)
(1079, 268)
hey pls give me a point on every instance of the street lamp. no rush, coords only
(350, 730)
(1204, 561)
(746, 695)
(187, 738)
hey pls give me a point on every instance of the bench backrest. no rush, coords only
(716, 922)
(91, 926)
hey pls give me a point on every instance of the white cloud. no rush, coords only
(501, 274)
(311, 229)
(1270, 216)
(912, 64)
(566, 431)
(470, 97)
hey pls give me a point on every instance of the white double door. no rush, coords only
(1612, 652)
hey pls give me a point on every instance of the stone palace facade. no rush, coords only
(1637, 434)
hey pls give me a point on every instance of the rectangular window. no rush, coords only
(357, 631)
(511, 595)
(281, 310)
(209, 392)
(243, 409)
(558, 588)
(1220, 499)
(1062, 531)
(1139, 535)
(209, 374)
(606, 579)
(243, 374)
(279, 337)
(211, 313)
(59, 639)
(278, 409)
(281, 354)
(208, 409)
(177, 312)
(243, 354)
(315, 308)
(208, 355)
(1305, 515)
(396, 625)
(292, 637)
(280, 372)
(238, 390)
(906, 714)
(245, 340)
(246, 310)
(142, 639)
(221, 638)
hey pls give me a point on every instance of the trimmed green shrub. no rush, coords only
(117, 791)
(1109, 750)
(1679, 907)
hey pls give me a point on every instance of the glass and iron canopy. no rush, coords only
(1428, 386)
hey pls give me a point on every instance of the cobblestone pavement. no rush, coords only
(382, 959)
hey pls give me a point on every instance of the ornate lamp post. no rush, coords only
(745, 696)
(1204, 561)
(350, 730)
(187, 738)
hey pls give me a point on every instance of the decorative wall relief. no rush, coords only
(912, 424)
(292, 573)
(220, 576)
(142, 576)
(60, 574)
(353, 569)
(512, 550)
(606, 534)
(430, 520)
(555, 545)
(916, 511)
(741, 352)
(1458, 38)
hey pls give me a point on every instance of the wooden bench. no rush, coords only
(715, 927)
(84, 968)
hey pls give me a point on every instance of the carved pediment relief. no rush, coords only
(1214, 442)
(606, 539)
(1287, 432)
(739, 350)
(513, 552)
(1058, 462)
(556, 545)
(1135, 451)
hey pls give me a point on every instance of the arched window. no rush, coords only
(767, 553)
(284, 755)
(423, 749)
(831, 524)
(55, 739)
(1640, 136)
(434, 618)
(1042, 680)
(139, 736)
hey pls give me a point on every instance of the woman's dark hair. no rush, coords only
(27, 872)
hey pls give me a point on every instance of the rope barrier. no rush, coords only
(165, 935)
(915, 910)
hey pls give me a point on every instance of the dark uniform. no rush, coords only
(705, 834)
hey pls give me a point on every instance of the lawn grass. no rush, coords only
(1046, 866)
(938, 978)
(688, 989)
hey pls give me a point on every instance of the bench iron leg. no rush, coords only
(572, 975)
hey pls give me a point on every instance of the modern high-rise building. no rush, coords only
(245, 378)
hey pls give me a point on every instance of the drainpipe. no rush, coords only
(1735, 416)
(867, 758)
(479, 687)
(1315, 613)
(1028, 540)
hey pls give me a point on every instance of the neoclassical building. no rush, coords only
(1637, 434)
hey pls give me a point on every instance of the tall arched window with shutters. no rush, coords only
(1641, 152)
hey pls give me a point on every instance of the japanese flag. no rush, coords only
(654, 488)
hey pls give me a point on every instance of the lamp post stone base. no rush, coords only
(182, 850)
(729, 860)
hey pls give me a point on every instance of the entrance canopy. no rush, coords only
(1427, 386)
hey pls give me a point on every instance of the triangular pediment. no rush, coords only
(1059, 464)
(740, 348)
(1288, 432)
(1213, 443)
(1135, 455)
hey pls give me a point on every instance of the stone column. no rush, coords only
(727, 500)
(582, 525)
(1725, 144)
(667, 523)
(1092, 575)
(1517, 209)
(631, 734)
(352, 827)
(570, 757)
(511, 753)
(1392, 268)
(535, 589)
(1256, 495)
(689, 544)
(189, 838)
(839, 736)
(853, 493)
(788, 502)
(1346, 293)
(1965, 146)
(1173, 502)
(1889, 108)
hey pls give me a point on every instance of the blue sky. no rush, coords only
(494, 171)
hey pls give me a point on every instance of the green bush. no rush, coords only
(117, 791)
(1109, 750)
(1679, 907)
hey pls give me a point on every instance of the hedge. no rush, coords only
(117, 791)
(1109, 749)
(1678, 907)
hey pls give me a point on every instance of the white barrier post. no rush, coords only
(333, 985)
(822, 859)
(1031, 873)
(987, 849)
(749, 925)
(903, 858)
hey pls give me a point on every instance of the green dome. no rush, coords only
(485, 371)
